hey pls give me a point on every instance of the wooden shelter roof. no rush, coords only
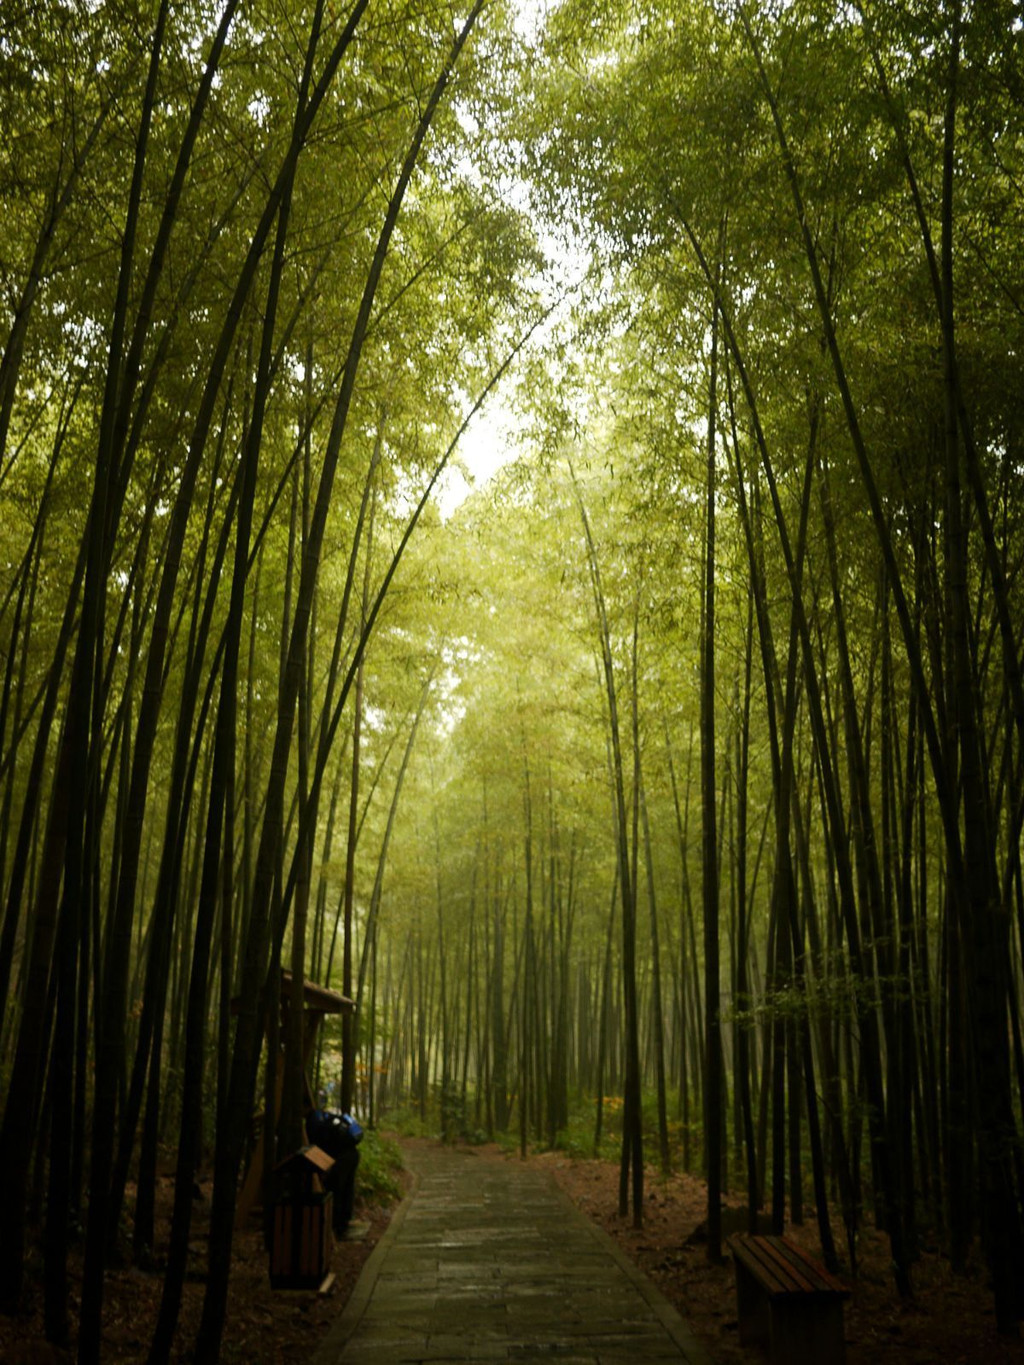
(318, 997)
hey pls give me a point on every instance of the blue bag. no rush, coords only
(333, 1133)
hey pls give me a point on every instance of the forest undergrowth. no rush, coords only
(264, 1327)
(949, 1320)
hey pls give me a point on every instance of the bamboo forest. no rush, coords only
(511, 525)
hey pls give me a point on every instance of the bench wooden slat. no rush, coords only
(809, 1278)
(783, 1268)
(752, 1256)
(825, 1281)
(784, 1271)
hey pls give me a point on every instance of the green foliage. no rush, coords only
(380, 1165)
(507, 1143)
(577, 1138)
(405, 1120)
(453, 1107)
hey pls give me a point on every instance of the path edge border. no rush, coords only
(667, 1314)
(337, 1336)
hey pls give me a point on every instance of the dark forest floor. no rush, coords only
(949, 1322)
(264, 1327)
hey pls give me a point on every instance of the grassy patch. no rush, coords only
(380, 1164)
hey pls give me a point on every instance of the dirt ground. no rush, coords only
(264, 1327)
(949, 1322)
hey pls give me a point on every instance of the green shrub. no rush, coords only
(380, 1163)
(407, 1122)
(577, 1138)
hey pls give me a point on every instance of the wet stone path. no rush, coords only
(490, 1261)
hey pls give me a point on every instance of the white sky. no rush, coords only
(487, 444)
(492, 438)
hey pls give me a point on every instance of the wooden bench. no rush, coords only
(788, 1302)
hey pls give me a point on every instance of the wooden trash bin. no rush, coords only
(318, 1003)
(300, 1238)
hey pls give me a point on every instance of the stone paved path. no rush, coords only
(490, 1261)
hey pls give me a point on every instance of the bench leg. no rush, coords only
(807, 1331)
(753, 1308)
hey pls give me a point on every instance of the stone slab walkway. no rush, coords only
(488, 1260)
